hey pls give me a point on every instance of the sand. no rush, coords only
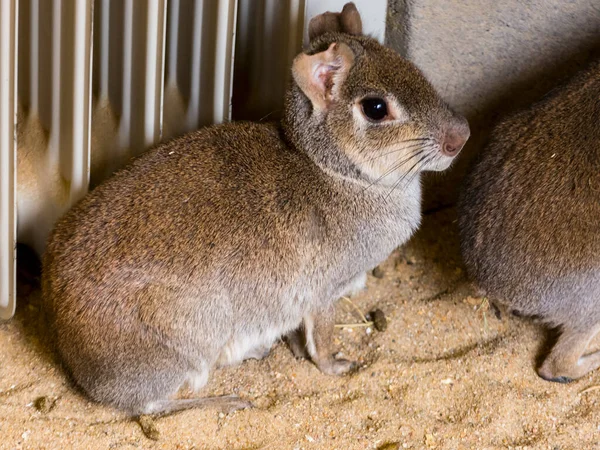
(445, 374)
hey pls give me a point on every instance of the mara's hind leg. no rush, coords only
(297, 343)
(298, 340)
(195, 381)
(567, 360)
(314, 339)
(318, 330)
(225, 403)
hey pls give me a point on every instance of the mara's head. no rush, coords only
(353, 101)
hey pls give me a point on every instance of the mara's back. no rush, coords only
(201, 188)
(530, 208)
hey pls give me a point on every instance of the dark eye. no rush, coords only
(374, 108)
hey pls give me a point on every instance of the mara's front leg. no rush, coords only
(315, 337)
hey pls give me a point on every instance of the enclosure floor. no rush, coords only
(446, 374)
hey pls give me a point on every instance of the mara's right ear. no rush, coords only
(321, 75)
(348, 21)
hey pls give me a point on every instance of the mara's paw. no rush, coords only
(297, 344)
(338, 366)
(546, 372)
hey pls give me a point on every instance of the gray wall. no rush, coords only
(490, 57)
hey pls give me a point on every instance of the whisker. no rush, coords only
(418, 171)
(417, 140)
(400, 164)
(421, 162)
(416, 164)
(414, 155)
(393, 151)
(268, 114)
(407, 159)
(395, 167)
(436, 157)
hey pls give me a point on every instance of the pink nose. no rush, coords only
(456, 136)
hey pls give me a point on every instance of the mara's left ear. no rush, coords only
(348, 21)
(321, 75)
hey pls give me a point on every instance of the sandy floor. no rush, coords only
(445, 374)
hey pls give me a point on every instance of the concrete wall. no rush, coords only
(490, 57)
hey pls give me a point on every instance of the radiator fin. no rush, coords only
(54, 113)
(8, 82)
(200, 52)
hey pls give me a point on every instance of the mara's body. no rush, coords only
(530, 219)
(210, 247)
(145, 248)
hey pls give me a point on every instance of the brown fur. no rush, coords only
(348, 21)
(530, 219)
(209, 247)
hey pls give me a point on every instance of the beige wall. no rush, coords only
(489, 57)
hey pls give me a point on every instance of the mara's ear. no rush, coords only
(348, 21)
(321, 75)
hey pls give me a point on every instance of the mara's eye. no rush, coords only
(374, 108)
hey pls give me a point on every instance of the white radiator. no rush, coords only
(269, 35)
(8, 216)
(85, 85)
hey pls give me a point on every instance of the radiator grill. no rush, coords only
(85, 85)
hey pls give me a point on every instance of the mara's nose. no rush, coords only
(456, 136)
